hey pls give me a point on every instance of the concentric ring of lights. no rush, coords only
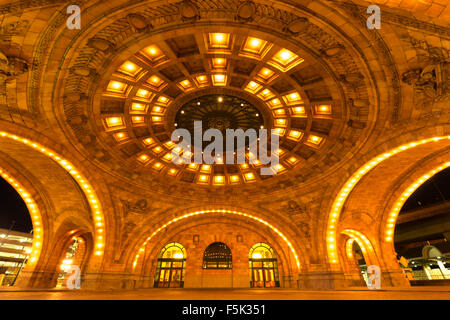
(88, 191)
(36, 218)
(351, 183)
(360, 239)
(196, 213)
(149, 106)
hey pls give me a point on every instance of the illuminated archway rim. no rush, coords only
(83, 183)
(350, 184)
(210, 211)
(35, 214)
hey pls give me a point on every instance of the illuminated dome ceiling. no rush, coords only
(141, 94)
(148, 89)
(219, 112)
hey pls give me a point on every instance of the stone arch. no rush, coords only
(380, 183)
(44, 173)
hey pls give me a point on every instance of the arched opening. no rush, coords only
(263, 266)
(171, 265)
(16, 233)
(72, 259)
(217, 256)
(356, 258)
(421, 237)
(372, 197)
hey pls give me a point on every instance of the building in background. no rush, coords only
(14, 250)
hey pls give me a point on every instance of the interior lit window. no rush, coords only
(217, 256)
(170, 266)
(285, 60)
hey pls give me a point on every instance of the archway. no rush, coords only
(384, 183)
(171, 265)
(217, 256)
(39, 174)
(263, 266)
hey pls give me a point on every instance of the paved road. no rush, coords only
(427, 293)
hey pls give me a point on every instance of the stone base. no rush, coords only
(323, 281)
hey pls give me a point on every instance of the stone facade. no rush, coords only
(387, 88)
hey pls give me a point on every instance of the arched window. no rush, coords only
(217, 256)
(73, 257)
(171, 266)
(263, 266)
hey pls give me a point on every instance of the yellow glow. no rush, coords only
(85, 186)
(316, 140)
(219, 40)
(266, 94)
(157, 149)
(285, 60)
(185, 85)
(280, 122)
(219, 63)
(292, 160)
(298, 111)
(202, 81)
(274, 103)
(130, 68)
(255, 48)
(295, 135)
(114, 122)
(351, 183)
(148, 141)
(117, 87)
(119, 136)
(205, 168)
(193, 166)
(158, 166)
(256, 255)
(138, 108)
(219, 179)
(292, 98)
(253, 87)
(142, 93)
(219, 79)
(137, 120)
(249, 176)
(222, 211)
(143, 158)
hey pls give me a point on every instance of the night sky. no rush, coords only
(434, 190)
(12, 207)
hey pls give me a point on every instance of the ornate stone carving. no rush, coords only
(100, 44)
(297, 26)
(246, 11)
(332, 51)
(138, 22)
(139, 206)
(188, 11)
(431, 83)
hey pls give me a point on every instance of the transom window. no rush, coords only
(217, 256)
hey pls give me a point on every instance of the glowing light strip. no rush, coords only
(349, 247)
(390, 225)
(35, 214)
(351, 183)
(360, 239)
(89, 192)
(217, 211)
